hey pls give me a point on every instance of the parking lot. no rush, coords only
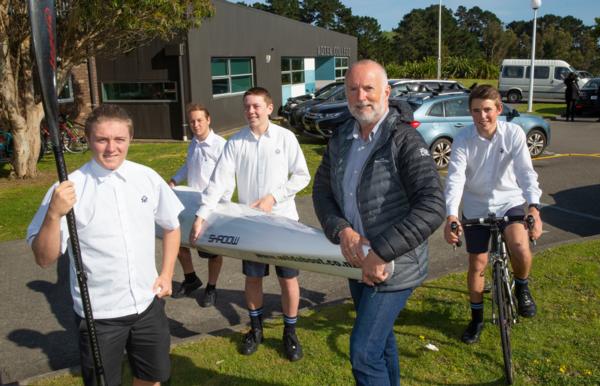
(37, 328)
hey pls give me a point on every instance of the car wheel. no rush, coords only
(440, 151)
(536, 142)
(514, 96)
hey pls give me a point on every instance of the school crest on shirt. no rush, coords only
(423, 152)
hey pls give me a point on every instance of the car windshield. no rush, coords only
(330, 92)
(592, 83)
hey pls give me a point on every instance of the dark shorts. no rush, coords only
(206, 255)
(477, 237)
(253, 269)
(145, 336)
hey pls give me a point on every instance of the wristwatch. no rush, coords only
(536, 206)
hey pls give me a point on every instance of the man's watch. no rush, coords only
(536, 206)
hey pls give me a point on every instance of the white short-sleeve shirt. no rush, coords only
(115, 213)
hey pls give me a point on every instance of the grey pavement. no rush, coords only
(37, 330)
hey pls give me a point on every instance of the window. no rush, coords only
(561, 73)
(341, 66)
(437, 110)
(512, 71)
(66, 94)
(139, 92)
(292, 70)
(541, 72)
(231, 75)
(457, 108)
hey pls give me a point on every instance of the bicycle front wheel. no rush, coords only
(75, 140)
(503, 301)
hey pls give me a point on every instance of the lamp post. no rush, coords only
(535, 4)
(439, 58)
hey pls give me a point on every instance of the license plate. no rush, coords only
(594, 97)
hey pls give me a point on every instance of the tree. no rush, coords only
(85, 28)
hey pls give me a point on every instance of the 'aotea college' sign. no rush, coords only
(333, 51)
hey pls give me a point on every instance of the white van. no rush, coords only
(548, 82)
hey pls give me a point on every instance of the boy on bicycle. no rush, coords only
(491, 171)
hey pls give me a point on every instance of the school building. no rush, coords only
(238, 48)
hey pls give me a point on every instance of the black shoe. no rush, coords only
(292, 347)
(187, 288)
(526, 305)
(251, 341)
(471, 334)
(210, 298)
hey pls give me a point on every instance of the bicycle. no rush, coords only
(503, 297)
(72, 135)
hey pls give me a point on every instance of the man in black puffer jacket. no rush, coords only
(378, 187)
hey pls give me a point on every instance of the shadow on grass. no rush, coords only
(189, 374)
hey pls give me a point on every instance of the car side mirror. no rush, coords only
(513, 113)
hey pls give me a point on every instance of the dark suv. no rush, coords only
(322, 119)
(295, 107)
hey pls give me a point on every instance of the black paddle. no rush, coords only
(42, 17)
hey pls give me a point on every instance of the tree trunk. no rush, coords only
(27, 143)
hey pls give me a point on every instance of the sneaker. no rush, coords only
(251, 341)
(292, 347)
(209, 299)
(471, 334)
(187, 288)
(525, 303)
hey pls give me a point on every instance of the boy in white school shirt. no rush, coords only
(116, 204)
(491, 171)
(268, 164)
(204, 151)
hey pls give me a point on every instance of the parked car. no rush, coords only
(322, 119)
(581, 74)
(440, 118)
(294, 109)
(549, 76)
(588, 103)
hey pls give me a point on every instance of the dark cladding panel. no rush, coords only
(238, 31)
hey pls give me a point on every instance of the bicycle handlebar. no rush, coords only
(491, 220)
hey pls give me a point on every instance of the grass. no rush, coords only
(558, 347)
(21, 198)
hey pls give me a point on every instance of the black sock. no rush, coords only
(289, 324)
(477, 312)
(210, 287)
(256, 318)
(190, 277)
(521, 284)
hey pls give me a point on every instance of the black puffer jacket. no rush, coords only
(400, 197)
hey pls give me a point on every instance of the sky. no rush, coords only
(390, 12)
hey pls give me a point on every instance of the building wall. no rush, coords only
(239, 31)
(234, 31)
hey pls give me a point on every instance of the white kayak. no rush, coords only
(241, 232)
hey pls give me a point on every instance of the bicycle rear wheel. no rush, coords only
(504, 321)
(75, 140)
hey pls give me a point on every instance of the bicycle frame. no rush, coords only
(499, 255)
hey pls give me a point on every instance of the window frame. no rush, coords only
(69, 87)
(174, 91)
(229, 76)
(343, 67)
(291, 71)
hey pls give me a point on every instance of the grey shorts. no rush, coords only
(206, 255)
(146, 337)
(253, 269)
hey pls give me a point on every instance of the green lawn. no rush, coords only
(20, 199)
(558, 347)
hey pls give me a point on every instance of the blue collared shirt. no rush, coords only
(357, 157)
